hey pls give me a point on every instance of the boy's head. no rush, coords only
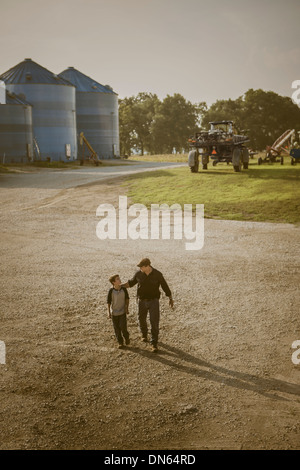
(115, 280)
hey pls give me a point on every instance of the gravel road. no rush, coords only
(223, 377)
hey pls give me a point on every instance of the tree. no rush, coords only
(264, 115)
(175, 120)
(126, 127)
(267, 115)
(136, 115)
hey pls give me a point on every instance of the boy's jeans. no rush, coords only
(120, 327)
(151, 306)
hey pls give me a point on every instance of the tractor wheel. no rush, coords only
(214, 162)
(259, 161)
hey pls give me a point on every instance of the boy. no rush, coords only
(117, 304)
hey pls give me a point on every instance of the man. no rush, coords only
(149, 281)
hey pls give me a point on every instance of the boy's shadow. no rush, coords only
(170, 355)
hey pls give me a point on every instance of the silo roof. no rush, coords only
(28, 72)
(83, 83)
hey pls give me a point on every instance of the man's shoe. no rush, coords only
(127, 342)
(121, 346)
(144, 339)
(154, 348)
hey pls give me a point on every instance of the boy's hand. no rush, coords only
(127, 312)
(171, 303)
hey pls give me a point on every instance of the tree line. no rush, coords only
(148, 124)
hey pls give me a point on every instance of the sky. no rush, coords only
(204, 50)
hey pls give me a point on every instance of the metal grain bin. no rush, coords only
(2, 93)
(53, 114)
(97, 113)
(16, 137)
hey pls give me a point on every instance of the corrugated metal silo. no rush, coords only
(2, 93)
(16, 137)
(96, 113)
(54, 112)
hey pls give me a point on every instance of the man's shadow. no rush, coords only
(170, 355)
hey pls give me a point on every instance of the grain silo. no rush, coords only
(96, 113)
(16, 138)
(53, 113)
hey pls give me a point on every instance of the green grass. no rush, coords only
(159, 158)
(269, 192)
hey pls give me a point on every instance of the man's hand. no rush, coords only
(127, 312)
(125, 285)
(171, 303)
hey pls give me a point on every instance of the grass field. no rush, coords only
(159, 158)
(269, 192)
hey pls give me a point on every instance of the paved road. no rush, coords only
(63, 179)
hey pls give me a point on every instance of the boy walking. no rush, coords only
(117, 305)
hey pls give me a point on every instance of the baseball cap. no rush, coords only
(144, 262)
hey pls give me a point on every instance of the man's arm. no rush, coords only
(131, 282)
(166, 290)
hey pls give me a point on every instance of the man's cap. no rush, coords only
(144, 262)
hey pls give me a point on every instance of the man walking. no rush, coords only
(149, 281)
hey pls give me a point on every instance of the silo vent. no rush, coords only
(27, 59)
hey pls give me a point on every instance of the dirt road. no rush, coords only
(223, 378)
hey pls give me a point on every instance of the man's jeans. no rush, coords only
(151, 306)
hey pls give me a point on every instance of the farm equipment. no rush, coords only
(273, 152)
(93, 155)
(220, 144)
(295, 156)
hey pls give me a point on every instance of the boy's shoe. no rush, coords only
(154, 348)
(121, 346)
(144, 339)
(127, 342)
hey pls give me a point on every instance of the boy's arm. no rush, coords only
(108, 310)
(126, 300)
(109, 298)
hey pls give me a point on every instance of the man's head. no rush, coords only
(144, 265)
(115, 280)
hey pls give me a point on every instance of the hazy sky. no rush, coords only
(205, 50)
